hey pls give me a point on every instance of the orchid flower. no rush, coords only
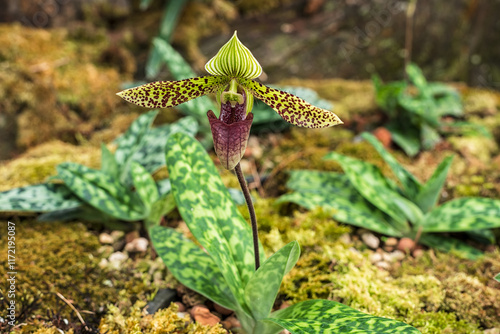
(232, 71)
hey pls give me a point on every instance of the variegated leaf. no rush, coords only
(234, 60)
(144, 184)
(151, 150)
(38, 198)
(206, 206)
(411, 185)
(448, 244)
(429, 193)
(263, 286)
(325, 316)
(164, 94)
(463, 214)
(133, 139)
(497, 277)
(101, 191)
(108, 162)
(291, 108)
(357, 213)
(191, 266)
(370, 182)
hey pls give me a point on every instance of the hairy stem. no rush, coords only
(251, 211)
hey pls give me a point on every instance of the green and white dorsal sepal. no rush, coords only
(234, 60)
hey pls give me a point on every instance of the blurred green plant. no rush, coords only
(416, 111)
(123, 190)
(364, 197)
(223, 269)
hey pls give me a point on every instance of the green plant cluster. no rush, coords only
(122, 190)
(415, 111)
(224, 271)
(364, 197)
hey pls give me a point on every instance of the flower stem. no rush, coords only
(251, 211)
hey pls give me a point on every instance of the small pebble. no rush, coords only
(137, 245)
(116, 259)
(375, 257)
(231, 322)
(105, 239)
(345, 238)
(418, 253)
(181, 307)
(390, 244)
(397, 255)
(202, 314)
(370, 240)
(131, 236)
(222, 310)
(117, 235)
(406, 245)
(383, 265)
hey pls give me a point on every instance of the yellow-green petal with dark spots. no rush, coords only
(164, 94)
(291, 108)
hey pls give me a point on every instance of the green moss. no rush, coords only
(164, 321)
(54, 258)
(471, 300)
(312, 229)
(443, 323)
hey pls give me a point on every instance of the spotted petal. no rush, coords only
(234, 60)
(291, 108)
(164, 94)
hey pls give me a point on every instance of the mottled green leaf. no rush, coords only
(486, 237)
(463, 214)
(132, 140)
(164, 187)
(38, 198)
(358, 213)
(497, 277)
(370, 182)
(151, 152)
(144, 184)
(101, 191)
(163, 206)
(206, 206)
(448, 244)
(429, 136)
(429, 193)
(411, 185)
(191, 266)
(263, 286)
(325, 316)
(108, 162)
(407, 139)
(386, 95)
(416, 77)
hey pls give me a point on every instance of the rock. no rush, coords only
(181, 307)
(202, 314)
(116, 259)
(392, 242)
(137, 245)
(370, 240)
(131, 236)
(375, 257)
(419, 252)
(231, 322)
(383, 265)
(345, 238)
(406, 245)
(105, 239)
(117, 235)
(383, 135)
(397, 255)
(222, 310)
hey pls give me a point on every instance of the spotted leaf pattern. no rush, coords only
(165, 94)
(234, 60)
(292, 108)
(101, 191)
(463, 214)
(262, 289)
(38, 198)
(144, 184)
(191, 266)
(325, 316)
(206, 206)
(372, 185)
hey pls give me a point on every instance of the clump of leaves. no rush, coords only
(416, 111)
(223, 270)
(122, 190)
(364, 197)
